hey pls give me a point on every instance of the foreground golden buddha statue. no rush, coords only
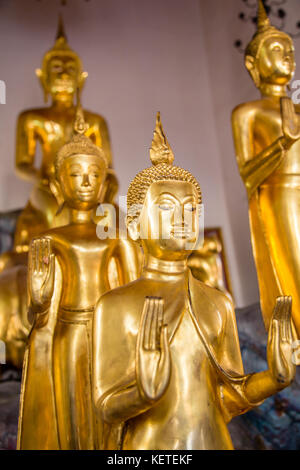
(266, 136)
(68, 271)
(168, 372)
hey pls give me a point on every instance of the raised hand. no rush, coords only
(41, 274)
(290, 120)
(279, 351)
(153, 359)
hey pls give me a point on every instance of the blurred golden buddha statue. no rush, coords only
(267, 142)
(61, 76)
(68, 271)
(167, 367)
(206, 264)
(50, 127)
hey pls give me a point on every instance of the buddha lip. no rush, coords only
(85, 193)
(181, 233)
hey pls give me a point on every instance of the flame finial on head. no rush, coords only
(160, 151)
(80, 144)
(263, 21)
(61, 29)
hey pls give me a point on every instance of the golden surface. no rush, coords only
(266, 135)
(48, 128)
(167, 367)
(69, 268)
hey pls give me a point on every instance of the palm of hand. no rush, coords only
(153, 353)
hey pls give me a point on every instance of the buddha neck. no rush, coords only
(64, 101)
(272, 90)
(81, 217)
(164, 270)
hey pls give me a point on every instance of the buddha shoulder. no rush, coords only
(214, 296)
(94, 118)
(247, 111)
(33, 117)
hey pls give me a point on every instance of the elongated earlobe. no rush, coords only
(82, 79)
(252, 69)
(133, 229)
(40, 75)
(57, 193)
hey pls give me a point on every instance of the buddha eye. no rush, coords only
(57, 68)
(276, 48)
(190, 207)
(165, 207)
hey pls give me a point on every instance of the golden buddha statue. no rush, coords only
(61, 76)
(266, 135)
(68, 271)
(206, 264)
(167, 367)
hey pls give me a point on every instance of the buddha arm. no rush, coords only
(26, 148)
(237, 390)
(115, 392)
(240, 392)
(255, 169)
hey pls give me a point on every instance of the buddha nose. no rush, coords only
(85, 180)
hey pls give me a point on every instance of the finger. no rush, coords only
(277, 309)
(49, 282)
(148, 325)
(153, 330)
(31, 257)
(140, 339)
(37, 255)
(42, 254)
(142, 329)
(164, 344)
(284, 317)
(160, 317)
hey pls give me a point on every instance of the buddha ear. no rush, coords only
(57, 193)
(133, 228)
(40, 75)
(82, 78)
(252, 69)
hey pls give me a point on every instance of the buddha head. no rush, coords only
(61, 74)
(80, 170)
(163, 204)
(269, 57)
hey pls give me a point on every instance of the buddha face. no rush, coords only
(169, 220)
(276, 61)
(81, 178)
(63, 75)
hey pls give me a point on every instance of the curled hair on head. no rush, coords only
(162, 158)
(80, 143)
